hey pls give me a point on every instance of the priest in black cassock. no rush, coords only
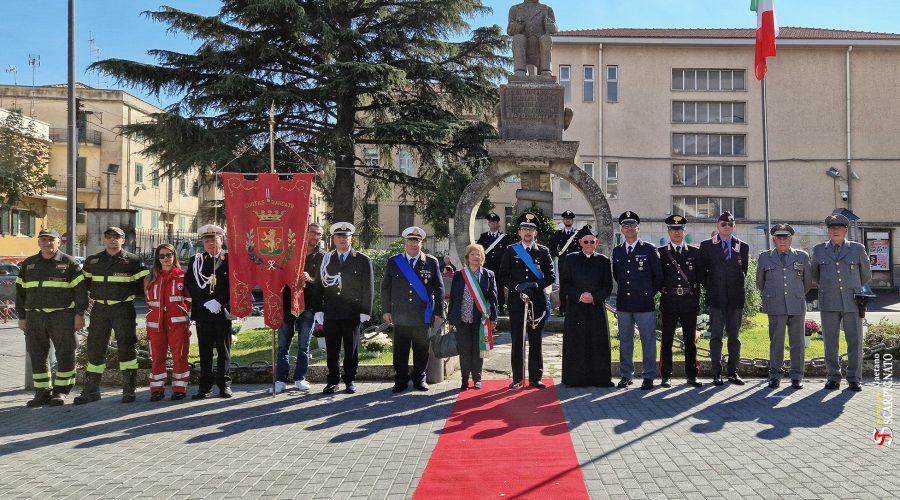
(587, 281)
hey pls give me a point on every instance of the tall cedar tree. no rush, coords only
(342, 74)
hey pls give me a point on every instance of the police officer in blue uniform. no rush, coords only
(638, 272)
(563, 243)
(683, 273)
(494, 242)
(527, 301)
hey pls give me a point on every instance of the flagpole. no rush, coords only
(272, 170)
(765, 127)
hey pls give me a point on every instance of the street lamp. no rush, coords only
(111, 170)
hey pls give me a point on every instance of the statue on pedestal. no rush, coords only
(531, 24)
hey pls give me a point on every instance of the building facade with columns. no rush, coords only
(670, 121)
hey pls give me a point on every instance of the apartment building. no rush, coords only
(670, 121)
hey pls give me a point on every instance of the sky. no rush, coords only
(119, 30)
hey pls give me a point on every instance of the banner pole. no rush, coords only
(273, 363)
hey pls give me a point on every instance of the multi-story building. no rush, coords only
(670, 121)
(112, 170)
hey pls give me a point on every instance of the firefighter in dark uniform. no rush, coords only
(207, 281)
(114, 279)
(494, 242)
(563, 243)
(527, 300)
(50, 301)
(680, 300)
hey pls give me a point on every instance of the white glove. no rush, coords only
(319, 318)
(364, 317)
(213, 306)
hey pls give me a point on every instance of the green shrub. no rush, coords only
(884, 331)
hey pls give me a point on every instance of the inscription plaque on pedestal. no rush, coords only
(532, 111)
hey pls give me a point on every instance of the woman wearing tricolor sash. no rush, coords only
(473, 311)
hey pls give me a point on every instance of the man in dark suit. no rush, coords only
(206, 278)
(683, 273)
(637, 271)
(526, 270)
(494, 242)
(563, 243)
(407, 277)
(726, 261)
(344, 303)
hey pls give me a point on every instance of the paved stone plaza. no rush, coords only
(668, 443)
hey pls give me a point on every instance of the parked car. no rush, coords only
(8, 274)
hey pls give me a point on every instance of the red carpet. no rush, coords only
(504, 443)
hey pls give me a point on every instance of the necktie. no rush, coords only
(343, 257)
(727, 248)
(678, 249)
(630, 249)
(836, 250)
(412, 262)
(783, 259)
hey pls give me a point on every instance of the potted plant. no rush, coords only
(811, 327)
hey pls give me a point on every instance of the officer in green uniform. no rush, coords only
(114, 278)
(50, 300)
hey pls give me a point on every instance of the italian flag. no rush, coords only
(766, 31)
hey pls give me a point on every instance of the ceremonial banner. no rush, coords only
(267, 222)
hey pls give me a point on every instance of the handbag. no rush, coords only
(443, 343)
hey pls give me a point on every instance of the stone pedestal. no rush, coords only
(532, 110)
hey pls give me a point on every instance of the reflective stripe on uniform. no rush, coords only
(153, 303)
(178, 383)
(91, 367)
(179, 319)
(111, 302)
(41, 380)
(128, 365)
(158, 376)
(50, 284)
(161, 383)
(65, 378)
(152, 324)
(140, 274)
(176, 298)
(53, 309)
(181, 375)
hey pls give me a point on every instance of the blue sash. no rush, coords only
(526, 258)
(410, 274)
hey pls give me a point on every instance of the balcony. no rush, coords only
(85, 135)
(87, 183)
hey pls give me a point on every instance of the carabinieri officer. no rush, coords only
(412, 297)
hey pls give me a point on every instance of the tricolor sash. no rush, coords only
(410, 274)
(526, 258)
(485, 332)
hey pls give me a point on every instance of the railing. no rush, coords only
(146, 241)
(90, 183)
(84, 135)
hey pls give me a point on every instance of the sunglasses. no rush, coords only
(165, 256)
(726, 224)
(589, 242)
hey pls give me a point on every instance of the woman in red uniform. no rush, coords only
(168, 323)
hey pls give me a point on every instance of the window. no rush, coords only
(709, 175)
(182, 223)
(138, 172)
(4, 220)
(565, 79)
(707, 79)
(588, 84)
(406, 163)
(182, 186)
(170, 187)
(708, 144)
(703, 207)
(80, 214)
(154, 178)
(565, 189)
(507, 216)
(154, 219)
(707, 112)
(81, 173)
(371, 157)
(22, 222)
(612, 180)
(407, 216)
(588, 168)
(138, 219)
(612, 83)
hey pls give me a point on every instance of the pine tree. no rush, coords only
(342, 74)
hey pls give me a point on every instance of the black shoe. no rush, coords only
(329, 389)
(157, 396)
(666, 382)
(538, 385)
(225, 393)
(796, 384)
(350, 388)
(128, 397)
(41, 397)
(717, 380)
(177, 396)
(832, 385)
(693, 382)
(477, 385)
(57, 399)
(85, 398)
(647, 384)
(625, 382)
(774, 383)
(464, 386)
(855, 387)
(201, 395)
(399, 388)
(423, 386)
(515, 385)
(735, 379)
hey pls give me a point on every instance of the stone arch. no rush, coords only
(515, 157)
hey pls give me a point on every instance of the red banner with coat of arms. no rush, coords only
(267, 222)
